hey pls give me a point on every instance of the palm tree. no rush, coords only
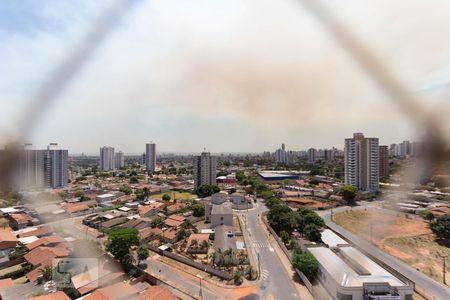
(249, 272)
(194, 244)
(47, 272)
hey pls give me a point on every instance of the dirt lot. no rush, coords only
(407, 238)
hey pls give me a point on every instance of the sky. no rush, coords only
(225, 75)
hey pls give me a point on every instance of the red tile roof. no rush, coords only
(157, 293)
(53, 296)
(175, 207)
(38, 232)
(53, 239)
(76, 207)
(5, 283)
(114, 292)
(148, 232)
(7, 238)
(148, 208)
(43, 254)
(174, 221)
(21, 218)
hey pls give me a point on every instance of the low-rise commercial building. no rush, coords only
(347, 274)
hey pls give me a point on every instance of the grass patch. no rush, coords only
(174, 195)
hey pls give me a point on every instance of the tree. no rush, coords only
(249, 272)
(198, 210)
(157, 222)
(134, 180)
(305, 216)
(280, 218)
(427, 215)
(240, 176)
(312, 232)
(166, 197)
(142, 253)
(146, 192)
(284, 237)
(120, 241)
(306, 263)
(441, 226)
(126, 189)
(232, 191)
(348, 192)
(237, 277)
(271, 201)
(206, 190)
(47, 273)
(204, 244)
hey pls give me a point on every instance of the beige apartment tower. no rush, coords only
(205, 169)
(361, 162)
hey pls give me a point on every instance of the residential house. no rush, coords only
(150, 210)
(175, 221)
(171, 209)
(196, 243)
(116, 291)
(21, 220)
(157, 292)
(148, 234)
(49, 241)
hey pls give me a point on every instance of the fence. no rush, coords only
(187, 261)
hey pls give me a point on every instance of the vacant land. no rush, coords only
(407, 238)
(174, 195)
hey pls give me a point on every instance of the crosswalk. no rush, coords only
(260, 245)
(264, 274)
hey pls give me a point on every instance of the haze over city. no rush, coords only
(193, 75)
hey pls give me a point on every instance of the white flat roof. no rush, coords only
(28, 239)
(8, 210)
(344, 275)
(332, 239)
(105, 196)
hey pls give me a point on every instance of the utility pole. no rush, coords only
(443, 267)
(371, 233)
(259, 267)
(200, 293)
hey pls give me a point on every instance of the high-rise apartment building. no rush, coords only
(150, 157)
(42, 168)
(31, 172)
(205, 169)
(57, 168)
(120, 160)
(361, 162)
(313, 155)
(383, 161)
(405, 148)
(281, 155)
(107, 160)
(329, 154)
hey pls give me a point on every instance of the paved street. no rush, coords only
(437, 289)
(276, 282)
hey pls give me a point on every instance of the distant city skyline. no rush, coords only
(212, 79)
